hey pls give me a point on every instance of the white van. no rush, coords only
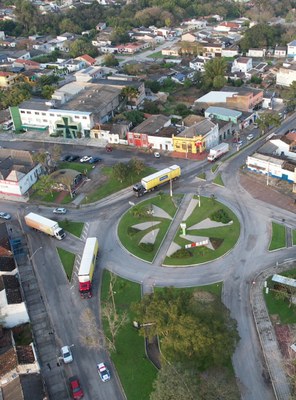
(7, 125)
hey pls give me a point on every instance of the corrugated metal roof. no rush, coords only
(223, 111)
(284, 280)
(215, 97)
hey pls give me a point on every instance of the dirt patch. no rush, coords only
(203, 297)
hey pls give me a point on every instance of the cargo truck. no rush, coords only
(218, 151)
(87, 267)
(157, 179)
(44, 225)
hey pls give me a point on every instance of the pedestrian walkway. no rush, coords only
(164, 248)
(43, 333)
(267, 336)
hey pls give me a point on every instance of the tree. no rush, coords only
(175, 382)
(110, 60)
(136, 117)
(120, 171)
(215, 71)
(130, 93)
(47, 91)
(66, 25)
(41, 158)
(217, 384)
(266, 120)
(261, 35)
(136, 165)
(154, 86)
(15, 95)
(67, 181)
(27, 15)
(119, 35)
(45, 184)
(82, 46)
(291, 96)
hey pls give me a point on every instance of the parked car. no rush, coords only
(103, 372)
(59, 210)
(94, 160)
(65, 157)
(108, 149)
(5, 215)
(156, 155)
(73, 158)
(85, 159)
(250, 136)
(75, 388)
(66, 354)
(235, 139)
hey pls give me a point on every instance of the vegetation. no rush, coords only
(136, 373)
(262, 36)
(220, 216)
(202, 175)
(110, 60)
(215, 71)
(278, 239)
(22, 335)
(294, 237)
(67, 260)
(266, 120)
(218, 180)
(187, 323)
(75, 228)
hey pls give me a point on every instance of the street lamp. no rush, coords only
(30, 258)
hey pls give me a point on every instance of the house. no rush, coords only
(280, 52)
(171, 51)
(26, 64)
(88, 60)
(291, 49)
(189, 37)
(198, 64)
(7, 79)
(223, 114)
(132, 48)
(74, 65)
(90, 74)
(272, 166)
(195, 23)
(19, 55)
(24, 387)
(65, 36)
(256, 53)
(18, 173)
(242, 64)
(139, 136)
(101, 26)
(230, 51)
(226, 26)
(286, 75)
(285, 145)
(179, 78)
(243, 98)
(112, 133)
(197, 138)
(212, 49)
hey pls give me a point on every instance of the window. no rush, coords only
(51, 115)
(22, 112)
(43, 114)
(84, 117)
(29, 112)
(36, 113)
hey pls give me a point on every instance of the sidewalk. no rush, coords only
(43, 333)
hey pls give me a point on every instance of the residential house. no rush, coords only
(90, 74)
(272, 166)
(65, 36)
(179, 78)
(198, 64)
(197, 138)
(19, 55)
(8, 42)
(291, 49)
(190, 37)
(256, 53)
(243, 98)
(7, 79)
(108, 49)
(285, 145)
(101, 26)
(226, 26)
(113, 133)
(18, 173)
(286, 75)
(153, 126)
(74, 65)
(280, 52)
(88, 60)
(195, 23)
(171, 51)
(230, 51)
(212, 49)
(242, 64)
(26, 64)
(132, 48)
(223, 114)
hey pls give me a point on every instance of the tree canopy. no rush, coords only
(262, 35)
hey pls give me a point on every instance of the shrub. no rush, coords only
(182, 253)
(216, 242)
(148, 247)
(132, 231)
(220, 216)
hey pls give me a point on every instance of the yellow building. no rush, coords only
(197, 138)
(7, 79)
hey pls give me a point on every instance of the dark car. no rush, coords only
(94, 160)
(65, 157)
(76, 391)
(74, 158)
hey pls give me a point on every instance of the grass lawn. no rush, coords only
(67, 260)
(83, 168)
(46, 197)
(278, 239)
(294, 237)
(279, 306)
(73, 227)
(112, 185)
(22, 335)
(135, 371)
(202, 176)
(158, 54)
(214, 167)
(130, 238)
(223, 238)
(218, 180)
(214, 288)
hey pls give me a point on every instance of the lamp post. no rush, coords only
(30, 257)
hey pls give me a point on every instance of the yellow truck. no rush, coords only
(157, 179)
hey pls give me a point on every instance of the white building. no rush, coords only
(285, 145)
(242, 64)
(259, 53)
(198, 64)
(286, 75)
(291, 52)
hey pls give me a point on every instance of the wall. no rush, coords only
(161, 143)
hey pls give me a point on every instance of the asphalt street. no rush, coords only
(73, 319)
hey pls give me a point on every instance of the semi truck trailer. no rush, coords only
(218, 151)
(44, 225)
(87, 267)
(155, 180)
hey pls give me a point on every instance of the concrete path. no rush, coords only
(164, 248)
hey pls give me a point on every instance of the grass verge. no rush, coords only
(67, 260)
(214, 167)
(135, 371)
(278, 239)
(75, 228)
(218, 180)
(83, 168)
(202, 176)
(112, 185)
(294, 237)
(130, 236)
(278, 304)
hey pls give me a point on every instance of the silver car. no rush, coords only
(5, 215)
(60, 210)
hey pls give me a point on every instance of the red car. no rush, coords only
(76, 391)
(109, 149)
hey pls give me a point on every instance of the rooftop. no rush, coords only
(223, 110)
(152, 124)
(199, 129)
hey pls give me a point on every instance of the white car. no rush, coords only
(60, 210)
(66, 354)
(250, 136)
(156, 155)
(5, 215)
(103, 372)
(85, 159)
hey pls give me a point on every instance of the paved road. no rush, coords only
(236, 269)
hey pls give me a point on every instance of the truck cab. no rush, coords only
(139, 190)
(85, 290)
(60, 233)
